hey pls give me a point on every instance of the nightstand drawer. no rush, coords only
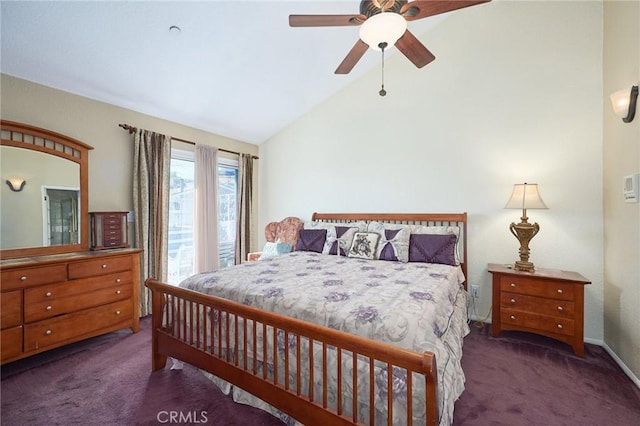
(544, 288)
(538, 322)
(521, 302)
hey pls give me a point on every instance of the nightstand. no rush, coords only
(547, 302)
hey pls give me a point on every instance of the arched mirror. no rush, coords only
(44, 195)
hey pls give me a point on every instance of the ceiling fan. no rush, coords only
(384, 23)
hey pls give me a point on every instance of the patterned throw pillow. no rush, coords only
(433, 248)
(394, 241)
(364, 245)
(344, 238)
(272, 250)
(311, 240)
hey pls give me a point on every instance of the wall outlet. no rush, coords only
(475, 291)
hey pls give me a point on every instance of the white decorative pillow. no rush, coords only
(440, 230)
(342, 241)
(364, 245)
(394, 241)
(272, 250)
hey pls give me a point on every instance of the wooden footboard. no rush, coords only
(230, 340)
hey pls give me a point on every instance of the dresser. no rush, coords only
(547, 301)
(52, 300)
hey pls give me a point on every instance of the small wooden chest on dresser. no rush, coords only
(49, 301)
(546, 301)
(109, 230)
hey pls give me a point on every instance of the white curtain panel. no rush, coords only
(207, 253)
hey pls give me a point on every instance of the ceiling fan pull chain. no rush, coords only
(382, 46)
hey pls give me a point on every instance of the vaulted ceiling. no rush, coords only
(234, 68)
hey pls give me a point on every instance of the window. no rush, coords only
(182, 213)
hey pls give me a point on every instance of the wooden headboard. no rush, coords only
(426, 219)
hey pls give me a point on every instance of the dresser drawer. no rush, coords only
(10, 343)
(11, 305)
(64, 305)
(553, 307)
(26, 277)
(544, 288)
(93, 268)
(536, 322)
(74, 326)
(52, 291)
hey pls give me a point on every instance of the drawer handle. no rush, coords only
(560, 326)
(118, 280)
(559, 291)
(48, 294)
(104, 266)
(48, 332)
(513, 284)
(48, 308)
(560, 308)
(513, 300)
(117, 312)
(512, 317)
(118, 291)
(23, 278)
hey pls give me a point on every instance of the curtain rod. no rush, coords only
(132, 129)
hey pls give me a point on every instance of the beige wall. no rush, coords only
(96, 123)
(514, 95)
(621, 157)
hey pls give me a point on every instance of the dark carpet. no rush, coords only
(517, 379)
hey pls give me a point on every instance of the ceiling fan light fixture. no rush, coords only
(385, 27)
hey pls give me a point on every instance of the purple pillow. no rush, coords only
(432, 248)
(311, 240)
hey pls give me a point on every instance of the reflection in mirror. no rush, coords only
(46, 211)
(61, 218)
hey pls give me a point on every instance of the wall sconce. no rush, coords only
(525, 196)
(624, 103)
(16, 184)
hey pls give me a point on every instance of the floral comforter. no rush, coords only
(416, 306)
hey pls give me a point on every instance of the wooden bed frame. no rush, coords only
(177, 332)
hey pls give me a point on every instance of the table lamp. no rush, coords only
(525, 196)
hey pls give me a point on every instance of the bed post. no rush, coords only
(431, 373)
(158, 361)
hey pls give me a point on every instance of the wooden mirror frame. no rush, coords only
(34, 138)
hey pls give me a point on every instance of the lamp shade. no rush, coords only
(624, 103)
(525, 196)
(620, 102)
(385, 27)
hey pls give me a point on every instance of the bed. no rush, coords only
(320, 338)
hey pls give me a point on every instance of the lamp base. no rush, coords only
(523, 266)
(524, 232)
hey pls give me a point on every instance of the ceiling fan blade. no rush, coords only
(414, 50)
(325, 20)
(352, 58)
(421, 9)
